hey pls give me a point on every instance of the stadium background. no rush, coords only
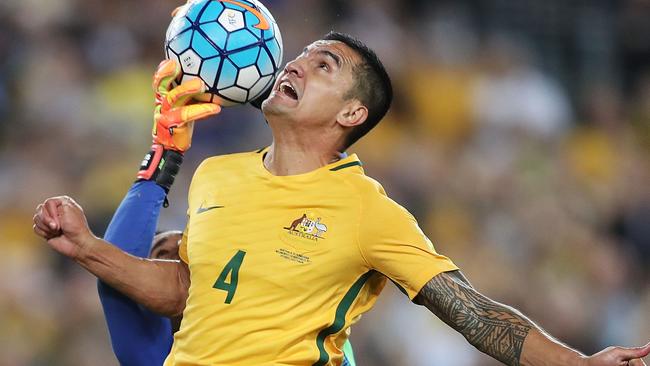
(519, 137)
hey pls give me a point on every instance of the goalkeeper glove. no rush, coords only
(173, 123)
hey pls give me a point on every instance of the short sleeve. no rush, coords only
(191, 207)
(392, 243)
(182, 247)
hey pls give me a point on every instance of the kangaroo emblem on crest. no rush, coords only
(296, 222)
(306, 227)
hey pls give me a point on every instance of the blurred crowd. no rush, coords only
(519, 138)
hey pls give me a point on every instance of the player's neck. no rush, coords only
(292, 159)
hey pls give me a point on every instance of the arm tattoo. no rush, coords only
(493, 328)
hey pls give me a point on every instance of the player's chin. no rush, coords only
(278, 103)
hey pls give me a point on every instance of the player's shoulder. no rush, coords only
(372, 195)
(228, 161)
(363, 185)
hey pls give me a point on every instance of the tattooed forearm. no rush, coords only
(493, 328)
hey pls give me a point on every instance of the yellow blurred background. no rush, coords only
(519, 138)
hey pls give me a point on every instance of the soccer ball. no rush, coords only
(234, 46)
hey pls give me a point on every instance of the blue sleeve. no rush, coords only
(348, 354)
(139, 336)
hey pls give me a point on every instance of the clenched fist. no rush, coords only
(61, 221)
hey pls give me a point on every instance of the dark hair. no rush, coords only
(372, 85)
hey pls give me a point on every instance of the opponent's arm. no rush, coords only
(503, 332)
(139, 337)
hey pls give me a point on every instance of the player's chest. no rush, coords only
(275, 231)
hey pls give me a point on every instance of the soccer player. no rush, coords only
(140, 337)
(287, 246)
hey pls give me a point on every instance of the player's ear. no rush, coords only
(353, 114)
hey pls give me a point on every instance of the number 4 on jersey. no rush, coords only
(232, 269)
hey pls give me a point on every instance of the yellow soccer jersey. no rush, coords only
(281, 266)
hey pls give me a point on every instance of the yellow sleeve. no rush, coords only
(182, 247)
(191, 207)
(392, 243)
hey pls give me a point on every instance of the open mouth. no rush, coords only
(287, 89)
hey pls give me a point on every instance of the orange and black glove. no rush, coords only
(173, 125)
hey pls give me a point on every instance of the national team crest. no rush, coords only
(307, 226)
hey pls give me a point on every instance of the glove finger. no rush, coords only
(199, 111)
(181, 94)
(182, 137)
(165, 74)
(180, 116)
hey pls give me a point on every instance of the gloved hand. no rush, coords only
(173, 123)
(173, 116)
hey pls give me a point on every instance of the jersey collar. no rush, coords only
(346, 162)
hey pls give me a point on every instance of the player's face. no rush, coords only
(312, 88)
(165, 245)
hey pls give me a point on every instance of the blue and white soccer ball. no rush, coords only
(234, 46)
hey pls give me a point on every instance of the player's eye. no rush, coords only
(324, 66)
